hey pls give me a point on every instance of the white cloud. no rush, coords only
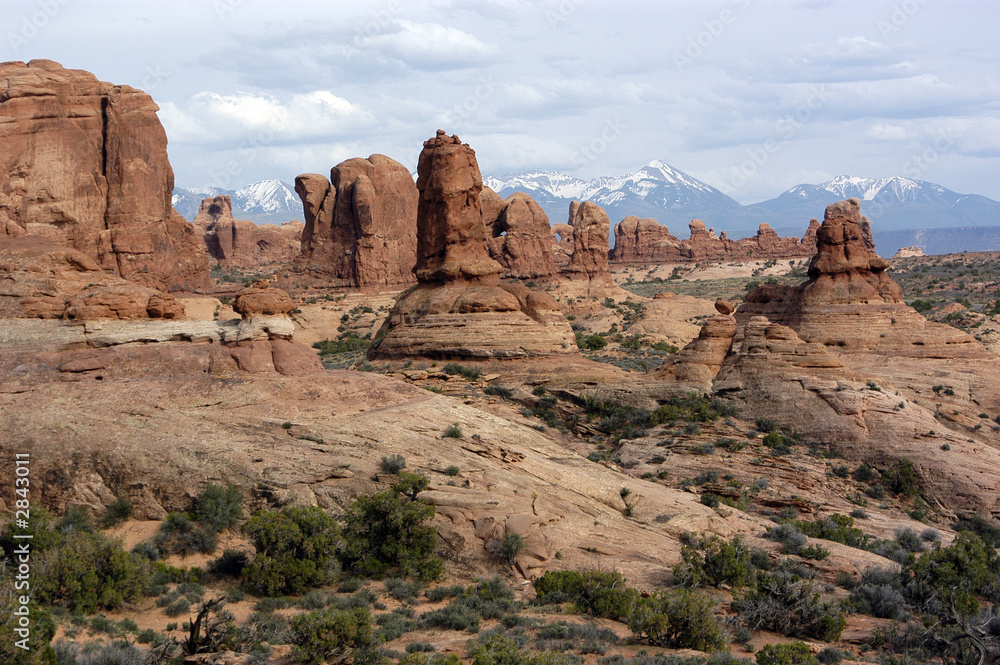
(885, 132)
(429, 45)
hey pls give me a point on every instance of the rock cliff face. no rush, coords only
(644, 241)
(360, 225)
(241, 243)
(850, 301)
(590, 241)
(518, 235)
(84, 166)
(699, 362)
(459, 307)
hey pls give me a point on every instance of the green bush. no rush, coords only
(677, 619)
(389, 531)
(219, 506)
(499, 391)
(90, 572)
(487, 599)
(330, 635)
(117, 512)
(295, 550)
(593, 592)
(865, 474)
(453, 431)
(713, 561)
(502, 650)
(961, 572)
(902, 479)
(182, 535)
(592, 342)
(838, 528)
(392, 463)
(789, 606)
(793, 653)
(470, 373)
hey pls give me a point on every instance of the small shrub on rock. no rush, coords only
(792, 653)
(677, 619)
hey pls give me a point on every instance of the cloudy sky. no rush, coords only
(752, 97)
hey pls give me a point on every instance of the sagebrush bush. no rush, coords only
(218, 506)
(330, 635)
(789, 606)
(593, 592)
(677, 619)
(390, 531)
(295, 550)
(792, 653)
(88, 571)
(392, 463)
(880, 601)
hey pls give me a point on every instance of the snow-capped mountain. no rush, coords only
(891, 204)
(656, 190)
(271, 201)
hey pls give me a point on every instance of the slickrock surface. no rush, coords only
(849, 300)
(84, 165)
(241, 243)
(805, 387)
(44, 280)
(645, 241)
(518, 236)
(360, 225)
(460, 308)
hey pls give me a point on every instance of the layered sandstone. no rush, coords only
(85, 166)
(591, 227)
(700, 360)
(646, 241)
(242, 244)
(459, 308)
(44, 280)
(518, 235)
(850, 301)
(360, 225)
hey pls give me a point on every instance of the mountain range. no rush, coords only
(267, 201)
(902, 211)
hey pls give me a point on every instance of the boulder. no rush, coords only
(519, 238)
(85, 166)
(459, 307)
(360, 225)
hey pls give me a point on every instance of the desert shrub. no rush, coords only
(593, 592)
(830, 656)
(791, 607)
(902, 479)
(960, 572)
(838, 528)
(879, 600)
(502, 650)
(231, 563)
(487, 599)
(592, 342)
(453, 431)
(865, 474)
(678, 619)
(219, 506)
(43, 629)
(765, 425)
(930, 535)
(508, 547)
(499, 391)
(814, 552)
(389, 531)
(909, 540)
(713, 561)
(792, 653)
(876, 491)
(470, 373)
(437, 594)
(988, 532)
(178, 607)
(89, 571)
(789, 536)
(841, 471)
(180, 534)
(329, 635)
(395, 624)
(401, 589)
(692, 407)
(295, 550)
(392, 464)
(117, 512)
(116, 653)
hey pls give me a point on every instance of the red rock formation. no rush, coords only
(360, 226)
(459, 307)
(645, 241)
(41, 279)
(590, 241)
(562, 244)
(519, 237)
(240, 242)
(84, 165)
(850, 301)
(263, 340)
